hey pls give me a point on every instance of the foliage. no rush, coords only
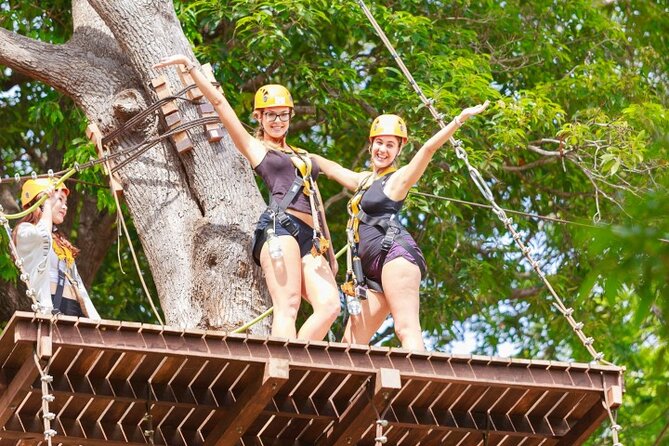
(577, 131)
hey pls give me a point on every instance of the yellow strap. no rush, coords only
(63, 253)
(353, 205)
(300, 159)
(302, 163)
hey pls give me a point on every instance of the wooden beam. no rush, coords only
(171, 114)
(363, 412)
(17, 389)
(95, 136)
(249, 405)
(585, 426)
(435, 367)
(461, 421)
(214, 131)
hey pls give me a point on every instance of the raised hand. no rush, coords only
(471, 111)
(174, 60)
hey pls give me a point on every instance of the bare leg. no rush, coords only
(283, 277)
(320, 290)
(401, 282)
(361, 328)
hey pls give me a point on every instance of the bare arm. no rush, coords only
(252, 149)
(347, 178)
(399, 184)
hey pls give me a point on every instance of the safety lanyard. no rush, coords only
(303, 164)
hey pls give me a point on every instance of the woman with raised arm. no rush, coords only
(48, 257)
(291, 238)
(383, 262)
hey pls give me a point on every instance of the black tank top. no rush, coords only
(376, 203)
(278, 172)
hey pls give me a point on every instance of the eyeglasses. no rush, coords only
(271, 116)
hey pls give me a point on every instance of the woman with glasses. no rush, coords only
(291, 236)
(385, 264)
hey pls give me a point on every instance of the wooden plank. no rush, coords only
(584, 427)
(171, 114)
(186, 80)
(362, 413)
(214, 131)
(463, 421)
(249, 405)
(17, 389)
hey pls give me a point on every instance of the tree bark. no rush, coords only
(194, 212)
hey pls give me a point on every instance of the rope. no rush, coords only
(510, 211)
(45, 380)
(39, 202)
(251, 323)
(497, 210)
(140, 274)
(116, 132)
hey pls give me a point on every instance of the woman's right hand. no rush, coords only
(174, 60)
(52, 197)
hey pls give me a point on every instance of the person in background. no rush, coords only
(48, 256)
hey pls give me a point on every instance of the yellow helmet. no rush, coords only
(33, 187)
(388, 125)
(272, 95)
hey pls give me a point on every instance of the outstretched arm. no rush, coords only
(399, 184)
(250, 147)
(347, 178)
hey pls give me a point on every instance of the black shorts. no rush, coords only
(304, 235)
(69, 307)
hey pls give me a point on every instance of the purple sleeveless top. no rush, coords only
(278, 172)
(376, 203)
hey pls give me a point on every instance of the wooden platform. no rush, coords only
(209, 388)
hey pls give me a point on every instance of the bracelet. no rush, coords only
(190, 67)
(457, 121)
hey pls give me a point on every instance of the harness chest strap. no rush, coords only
(353, 266)
(354, 203)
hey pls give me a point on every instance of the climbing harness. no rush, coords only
(356, 282)
(483, 187)
(303, 183)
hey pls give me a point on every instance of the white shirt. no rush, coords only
(34, 246)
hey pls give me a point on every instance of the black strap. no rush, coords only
(392, 228)
(291, 193)
(279, 209)
(60, 286)
(373, 285)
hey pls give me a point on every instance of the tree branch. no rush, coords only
(528, 166)
(540, 151)
(32, 58)
(258, 80)
(344, 193)
(303, 125)
(524, 293)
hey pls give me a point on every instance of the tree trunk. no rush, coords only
(194, 212)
